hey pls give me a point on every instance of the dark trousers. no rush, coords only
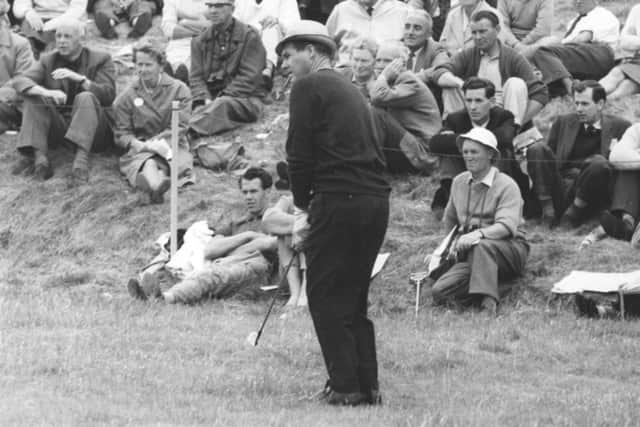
(626, 193)
(589, 181)
(105, 10)
(488, 264)
(583, 61)
(85, 124)
(345, 236)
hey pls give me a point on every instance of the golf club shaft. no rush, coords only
(275, 296)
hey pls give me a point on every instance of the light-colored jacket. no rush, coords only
(625, 155)
(53, 12)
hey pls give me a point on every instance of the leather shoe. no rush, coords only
(135, 290)
(489, 305)
(615, 226)
(346, 399)
(575, 215)
(80, 175)
(24, 165)
(43, 171)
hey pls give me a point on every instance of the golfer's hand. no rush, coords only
(268, 22)
(466, 241)
(136, 146)
(57, 96)
(392, 70)
(160, 147)
(65, 73)
(34, 20)
(300, 230)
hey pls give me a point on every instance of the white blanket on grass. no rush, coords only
(587, 281)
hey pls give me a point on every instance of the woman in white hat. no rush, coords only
(486, 206)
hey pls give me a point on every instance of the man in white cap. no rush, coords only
(486, 207)
(336, 168)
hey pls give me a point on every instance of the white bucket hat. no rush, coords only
(310, 31)
(481, 136)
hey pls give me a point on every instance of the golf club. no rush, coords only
(255, 336)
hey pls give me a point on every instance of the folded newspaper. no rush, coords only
(587, 281)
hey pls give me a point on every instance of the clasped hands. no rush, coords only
(56, 95)
(157, 146)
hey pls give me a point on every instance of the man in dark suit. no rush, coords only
(424, 53)
(65, 94)
(571, 173)
(479, 112)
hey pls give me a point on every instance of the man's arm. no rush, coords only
(252, 63)
(446, 75)
(76, 11)
(554, 135)
(31, 78)
(197, 78)
(544, 19)
(299, 146)
(401, 94)
(537, 90)
(505, 30)
(103, 85)
(582, 37)
(277, 219)
(261, 243)
(223, 246)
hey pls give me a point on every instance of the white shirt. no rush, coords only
(385, 24)
(488, 178)
(251, 13)
(603, 24)
(174, 11)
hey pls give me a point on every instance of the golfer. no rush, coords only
(336, 168)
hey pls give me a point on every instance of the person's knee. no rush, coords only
(85, 98)
(538, 151)
(599, 164)
(515, 84)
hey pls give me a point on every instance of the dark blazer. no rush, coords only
(501, 123)
(241, 70)
(563, 133)
(95, 65)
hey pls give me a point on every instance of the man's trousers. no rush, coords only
(346, 232)
(225, 113)
(583, 61)
(589, 181)
(85, 124)
(487, 264)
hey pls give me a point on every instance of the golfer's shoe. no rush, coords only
(346, 399)
(135, 290)
(374, 397)
(323, 394)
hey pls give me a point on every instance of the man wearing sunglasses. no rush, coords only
(226, 81)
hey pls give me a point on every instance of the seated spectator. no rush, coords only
(238, 259)
(526, 24)
(41, 18)
(381, 20)
(517, 88)
(226, 81)
(571, 174)
(486, 206)
(139, 13)
(279, 220)
(362, 58)
(480, 111)
(457, 32)
(65, 95)
(17, 58)
(143, 124)
(181, 21)
(424, 53)
(621, 219)
(271, 18)
(585, 52)
(624, 79)
(403, 94)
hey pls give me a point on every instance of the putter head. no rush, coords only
(252, 339)
(418, 277)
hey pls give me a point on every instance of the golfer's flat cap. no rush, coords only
(309, 31)
(481, 136)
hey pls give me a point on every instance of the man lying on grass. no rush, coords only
(238, 258)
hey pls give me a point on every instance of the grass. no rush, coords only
(76, 350)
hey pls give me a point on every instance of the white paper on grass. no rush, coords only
(381, 260)
(587, 281)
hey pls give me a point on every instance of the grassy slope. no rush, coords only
(77, 350)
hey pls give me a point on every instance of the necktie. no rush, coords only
(573, 26)
(370, 10)
(410, 61)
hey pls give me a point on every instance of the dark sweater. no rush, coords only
(331, 145)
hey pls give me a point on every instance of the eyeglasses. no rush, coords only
(218, 5)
